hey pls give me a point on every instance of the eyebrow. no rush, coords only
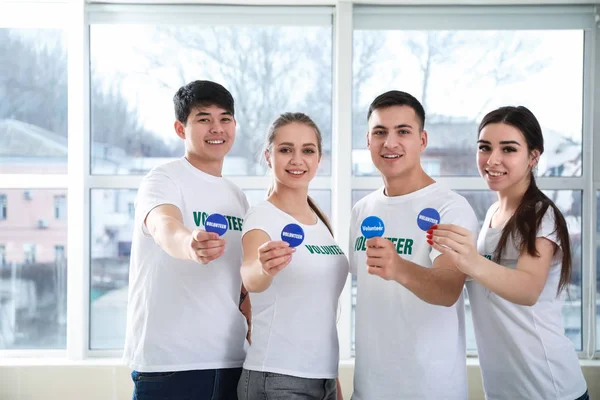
(292, 144)
(203, 113)
(502, 142)
(395, 127)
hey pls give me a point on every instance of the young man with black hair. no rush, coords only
(410, 326)
(185, 333)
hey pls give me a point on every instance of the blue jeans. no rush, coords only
(210, 384)
(256, 385)
(585, 396)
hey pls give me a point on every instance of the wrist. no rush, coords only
(477, 268)
(401, 276)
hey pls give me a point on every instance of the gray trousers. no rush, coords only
(256, 385)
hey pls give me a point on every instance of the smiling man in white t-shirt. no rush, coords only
(185, 333)
(410, 328)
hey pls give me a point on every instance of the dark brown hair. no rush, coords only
(298, 118)
(524, 224)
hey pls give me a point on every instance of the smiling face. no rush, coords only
(208, 133)
(294, 155)
(503, 157)
(395, 140)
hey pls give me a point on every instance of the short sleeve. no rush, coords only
(256, 218)
(547, 228)
(156, 189)
(461, 213)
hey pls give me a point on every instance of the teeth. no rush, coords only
(296, 172)
(495, 173)
(391, 156)
(215, 141)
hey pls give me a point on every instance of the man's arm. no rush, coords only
(440, 285)
(165, 225)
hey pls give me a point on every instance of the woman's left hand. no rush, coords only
(456, 242)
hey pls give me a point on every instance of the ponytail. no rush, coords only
(320, 214)
(524, 224)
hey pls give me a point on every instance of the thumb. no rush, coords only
(374, 271)
(199, 235)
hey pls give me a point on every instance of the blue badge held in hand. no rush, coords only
(216, 223)
(293, 234)
(372, 227)
(427, 218)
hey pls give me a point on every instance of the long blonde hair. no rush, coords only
(298, 118)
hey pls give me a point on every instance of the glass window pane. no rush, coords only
(459, 76)
(269, 70)
(569, 202)
(33, 281)
(33, 101)
(110, 247)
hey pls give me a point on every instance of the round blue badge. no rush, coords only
(372, 227)
(216, 223)
(427, 218)
(293, 234)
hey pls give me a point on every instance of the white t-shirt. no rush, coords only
(407, 348)
(294, 321)
(183, 315)
(523, 351)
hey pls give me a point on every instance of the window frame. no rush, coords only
(345, 17)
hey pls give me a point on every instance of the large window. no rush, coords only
(461, 65)
(269, 70)
(126, 62)
(459, 76)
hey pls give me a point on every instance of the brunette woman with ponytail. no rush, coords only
(519, 270)
(294, 291)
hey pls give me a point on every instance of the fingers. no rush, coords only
(201, 236)
(273, 266)
(438, 235)
(274, 256)
(444, 249)
(448, 242)
(207, 255)
(375, 271)
(378, 242)
(273, 245)
(452, 228)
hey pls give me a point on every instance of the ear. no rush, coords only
(424, 140)
(179, 129)
(534, 158)
(368, 141)
(268, 158)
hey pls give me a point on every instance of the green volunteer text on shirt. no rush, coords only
(234, 223)
(403, 245)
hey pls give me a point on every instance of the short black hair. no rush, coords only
(201, 94)
(398, 98)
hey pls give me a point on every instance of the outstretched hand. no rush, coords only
(456, 242)
(275, 256)
(205, 247)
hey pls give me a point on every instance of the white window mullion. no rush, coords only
(342, 156)
(78, 169)
(591, 124)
